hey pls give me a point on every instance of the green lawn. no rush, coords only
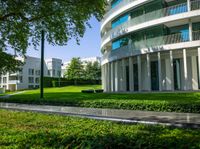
(72, 96)
(33, 130)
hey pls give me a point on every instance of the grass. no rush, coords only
(72, 96)
(33, 130)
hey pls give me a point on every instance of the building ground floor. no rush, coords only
(158, 71)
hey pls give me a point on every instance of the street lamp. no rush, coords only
(42, 66)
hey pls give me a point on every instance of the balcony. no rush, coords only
(116, 8)
(157, 43)
(13, 81)
(169, 11)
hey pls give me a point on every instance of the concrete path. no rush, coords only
(8, 95)
(190, 120)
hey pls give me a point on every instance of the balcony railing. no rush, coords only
(136, 46)
(196, 35)
(195, 5)
(162, 40)
(168, 11)
(119, 6)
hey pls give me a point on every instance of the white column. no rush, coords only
(185, 70)
(116, 77)
(109, 77)
(159, 72)
(106, 78)
(112, 76)
(194, 73)
(199, 63)
(131, 81)
(148, 73)
(7, 81)
(190, 30)
(124, 75)
(102, 76)
(139, 73)
(188, 5)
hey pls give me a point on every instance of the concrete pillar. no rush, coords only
(188, 5)
(185, 70)
(199, 64)
(116, 77)
(171, 70)
(194, 73)
(124, 75)
(112, 77)
(139, 73)
(131, 80)
(102, 77)
(148, 73)
(159, 72)
(190, 30)
(106, 78)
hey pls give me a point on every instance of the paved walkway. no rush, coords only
(8, 95)
(127, 116)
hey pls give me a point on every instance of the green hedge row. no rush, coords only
(33, 130)
(60, 82)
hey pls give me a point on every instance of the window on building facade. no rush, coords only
(30, 80)
(114, 3)
(20, 79)
(54, 72)
(4, 80)
(59, 73)
(37, 72)
(37, 80)
(31, 71)
(49, 72)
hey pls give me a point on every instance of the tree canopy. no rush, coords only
(21, 22)
(75, 70)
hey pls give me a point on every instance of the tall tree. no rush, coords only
(21, 22)
(75, 70)
(93, 71)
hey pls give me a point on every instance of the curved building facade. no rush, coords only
(151, 45)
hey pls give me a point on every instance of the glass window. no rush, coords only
(119, 43)
(31, 71)
(30, 79)
(20, 79)
(120, 20)
(4, 80)
(58, 73)
(37, 72)
(37, 80)
(115, 3)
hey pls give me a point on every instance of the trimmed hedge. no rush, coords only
(33, 130)
(56, 82)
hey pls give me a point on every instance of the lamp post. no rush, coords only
(42, 66)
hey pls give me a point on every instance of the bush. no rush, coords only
(61, 82)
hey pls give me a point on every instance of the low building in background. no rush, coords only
(29, 75)
(84, 60)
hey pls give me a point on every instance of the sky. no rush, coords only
(89, 46)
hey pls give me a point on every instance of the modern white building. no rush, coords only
(84, 60)
(29, 75)
(151, 45)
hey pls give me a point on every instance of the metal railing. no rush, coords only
(154, 43)
(196, 35)
(195, 5)
(168, 11)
